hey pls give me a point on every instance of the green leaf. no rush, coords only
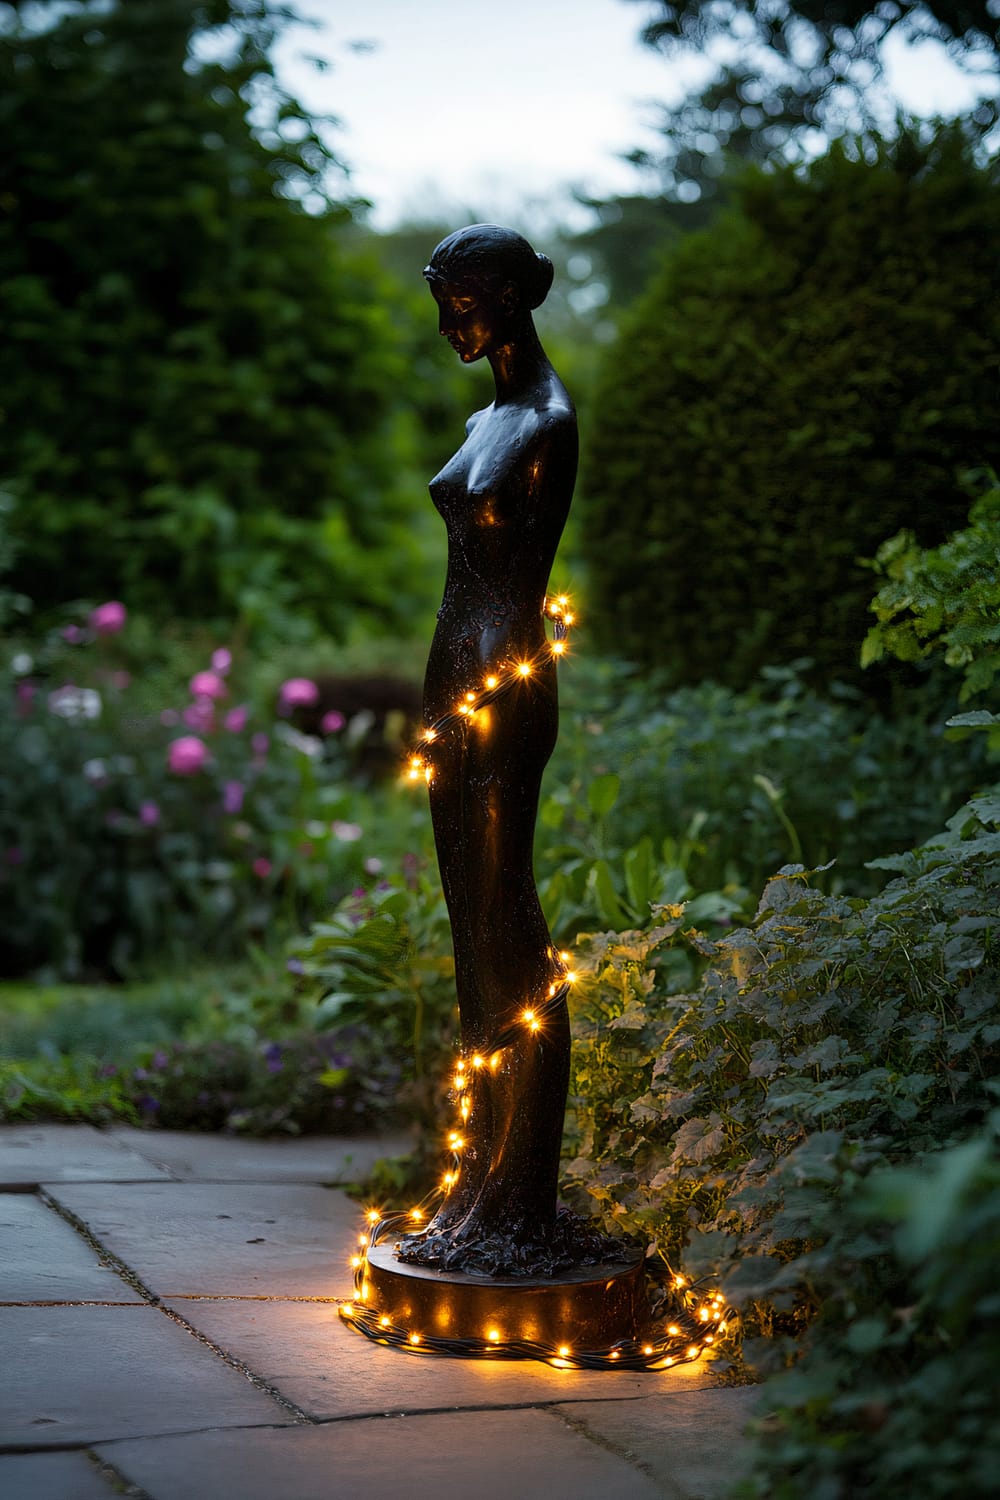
(602, 794)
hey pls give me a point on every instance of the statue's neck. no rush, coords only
(519, 365)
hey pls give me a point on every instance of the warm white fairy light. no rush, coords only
(628, 1354)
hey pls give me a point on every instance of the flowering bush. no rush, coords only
(140, 824)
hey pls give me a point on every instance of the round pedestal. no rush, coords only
(588, 1308)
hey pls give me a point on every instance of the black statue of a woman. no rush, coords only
(504, 497)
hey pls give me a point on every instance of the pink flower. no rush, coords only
(208, 685)
(222, 660)
(259, 744)
(109, 618)
(332, 721)
(261, 867)
(25, 692)
(72, 633)
(346, 832)
(236, 719)
(297, 692)
(149, 814)
(187, 756)
(232, 796)
(199, 715)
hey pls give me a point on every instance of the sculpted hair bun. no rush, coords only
(544, 272)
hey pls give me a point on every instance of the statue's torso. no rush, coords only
(504, 497)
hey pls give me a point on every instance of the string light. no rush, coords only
(496, 685)
(696, 1314)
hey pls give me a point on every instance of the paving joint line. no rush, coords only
(120, 1482)
(149, 1296)
(579, 1426)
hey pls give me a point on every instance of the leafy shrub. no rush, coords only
(237, 1050)
(944, 599)
(134, 832)
(800, 380)
(727, 785)
(894, 1396)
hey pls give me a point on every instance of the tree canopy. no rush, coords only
(197, 370)
(787, 69)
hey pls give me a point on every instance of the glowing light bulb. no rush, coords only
(415, 1213)
(465, 1109)
(647, 1348)
(347, 1311)
(414, 1338)
(362, 1239)
(477, 1061)
(564, 958)
(693, 1352)
(558, 647)
(430, 734)
(460, 1065)
(385, 1322)
(494, 1336)
(413, 774)
(673, 1329)
(568, 618)
(703, 1314)
(570, 976)
(524, 668)
(463, 708)
(373, 1215)
(428, 774)
(614, 1354)
(679, 1281)
(529, 1016)
(470, 697)
(563, 600)
(356, 1261)
(491, 682)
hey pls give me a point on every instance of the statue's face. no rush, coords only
(469, 320)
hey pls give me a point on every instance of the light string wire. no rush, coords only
(698, 1315)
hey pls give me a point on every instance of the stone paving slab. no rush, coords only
(32, 1154)
(52, 1476)
(513, 1455)
(220, 1158)
(691, 1443)
(191, 1238)
(43, 1260)
(307, 1353)
(87, 1374)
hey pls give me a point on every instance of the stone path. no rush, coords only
(169, 1331)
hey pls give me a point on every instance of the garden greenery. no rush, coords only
(800, 380)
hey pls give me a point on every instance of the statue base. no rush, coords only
(590, 1307)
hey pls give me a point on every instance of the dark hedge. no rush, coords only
(799, 381)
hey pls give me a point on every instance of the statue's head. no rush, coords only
(486, 281)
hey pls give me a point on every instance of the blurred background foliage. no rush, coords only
(222, 394)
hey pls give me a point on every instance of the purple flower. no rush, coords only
(297, 692)
(272, 1056)
(208, 685)
(259, 744)
(232, 796)
(25, 691)
(160, 1060)
(236, 719)
(332, 721)
(72, 633)
(148, 1104)
(261, 867)
(295, 966)
(187, 756)
(374, 866)
(222, 660)
(109, 618)
(199, 715)
(140, 1074)
(149, 814)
